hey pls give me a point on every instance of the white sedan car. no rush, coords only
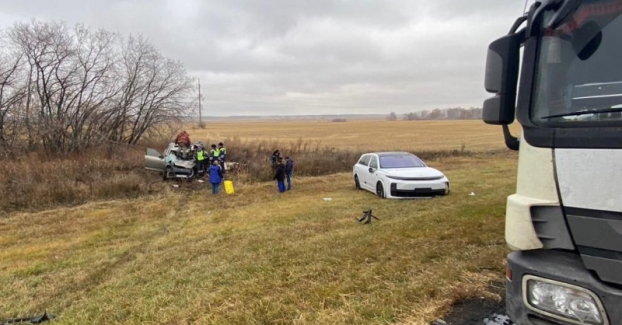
(398, 175)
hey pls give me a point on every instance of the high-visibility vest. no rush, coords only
(215, 153)
(223, 150)
(201, 155)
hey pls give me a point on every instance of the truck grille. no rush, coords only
(598, 237)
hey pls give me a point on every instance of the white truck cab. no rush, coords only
(564, 223)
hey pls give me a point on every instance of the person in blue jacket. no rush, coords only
(279, 176)
(215, 176)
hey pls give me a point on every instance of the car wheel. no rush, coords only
(167, 170)
(191, 176)
(380, 190)
(357, 184)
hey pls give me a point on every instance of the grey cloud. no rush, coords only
(295, 56)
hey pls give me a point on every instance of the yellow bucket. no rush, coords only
(229, 187)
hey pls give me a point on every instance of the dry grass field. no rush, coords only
(257, 257)
(184, 256)
(363, 134)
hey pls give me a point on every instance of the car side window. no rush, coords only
(374, 163)
(364, 160)
(152, 152)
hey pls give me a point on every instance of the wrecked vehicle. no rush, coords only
(174, 163)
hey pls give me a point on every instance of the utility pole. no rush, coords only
(200, 115)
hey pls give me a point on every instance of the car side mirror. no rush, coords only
(501, 79)
(371, 169)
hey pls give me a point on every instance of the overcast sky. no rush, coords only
(265, 57)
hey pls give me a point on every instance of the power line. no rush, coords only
(200, 122)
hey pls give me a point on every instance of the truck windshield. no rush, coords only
(579, 71)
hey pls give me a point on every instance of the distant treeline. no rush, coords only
(457, 113)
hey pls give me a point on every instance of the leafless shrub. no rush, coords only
(310, 157)
(39, 180)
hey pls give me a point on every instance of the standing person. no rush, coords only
(280, 175)
(223, 155)
(201, 158)
(289, 168)
(276, 155)
(183, 141)
(214, 154)
(215, 176)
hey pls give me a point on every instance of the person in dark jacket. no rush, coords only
(280, 175)
(223, 156)
(201, 158)
(215, 176)
(289, 168)
(276, 155)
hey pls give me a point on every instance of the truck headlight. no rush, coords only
(563, 301)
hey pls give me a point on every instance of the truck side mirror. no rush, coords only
(501, 79)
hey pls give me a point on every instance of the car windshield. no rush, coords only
(579, 77)
(400, 161)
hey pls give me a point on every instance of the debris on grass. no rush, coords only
(498, 319)
(367, 216)
(32, 320)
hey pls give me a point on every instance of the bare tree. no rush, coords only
(96, 85)
(67, 89)
(11, 97)
(158, 90)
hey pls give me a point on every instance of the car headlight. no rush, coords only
(563, 301)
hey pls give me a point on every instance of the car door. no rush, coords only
(154, 160)
(361, 170)
(371, 176)
(360, 166)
